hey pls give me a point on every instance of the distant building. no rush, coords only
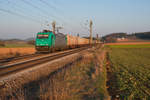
(119, 39)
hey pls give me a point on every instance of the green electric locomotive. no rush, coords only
(45, 41)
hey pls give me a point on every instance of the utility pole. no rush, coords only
(54, 26)
(78, 40)
(91, 24)
(97, 37)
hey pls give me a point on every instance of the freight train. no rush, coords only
(47, 41)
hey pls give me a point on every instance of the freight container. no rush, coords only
(60, 41)
(72, 41)
(83, 41)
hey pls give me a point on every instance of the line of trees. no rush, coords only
(113, 36)
(142, 35)
(31, 42)
(2, 43)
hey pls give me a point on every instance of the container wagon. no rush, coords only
(60, 41)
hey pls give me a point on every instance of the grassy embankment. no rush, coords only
(129, 71)
(84, 79)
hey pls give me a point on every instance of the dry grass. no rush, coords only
(11, 52)
(23, 84)
(83, 80)
(79, 78)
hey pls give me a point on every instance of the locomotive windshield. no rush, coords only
(42, 36)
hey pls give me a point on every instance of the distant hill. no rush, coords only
(142, 35)
(17, 41)
(113, 37)
(29, 39)
(13, 41)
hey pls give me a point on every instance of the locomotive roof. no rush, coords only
(45, 33)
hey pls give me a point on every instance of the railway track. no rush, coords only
(13, 59)
(16, 67)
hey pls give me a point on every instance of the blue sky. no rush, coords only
(24, 18)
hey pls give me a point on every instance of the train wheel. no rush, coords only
(53, 49)
(37, 52)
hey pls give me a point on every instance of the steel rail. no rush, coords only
(10, 59)
(14, 68)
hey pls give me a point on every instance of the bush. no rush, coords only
(31, 42)
(2, 43)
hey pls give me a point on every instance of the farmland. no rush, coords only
(129, 71)
(13, 52)
(131, 46)
(14, 49)
(15, 45)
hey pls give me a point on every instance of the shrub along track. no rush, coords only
(14, 68)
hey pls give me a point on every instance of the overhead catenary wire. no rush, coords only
(43, 11)
(19, 15)
(21, 10)
(55, 8)
(32, 5)
(49, 5)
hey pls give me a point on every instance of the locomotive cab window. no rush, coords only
(42, 36)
